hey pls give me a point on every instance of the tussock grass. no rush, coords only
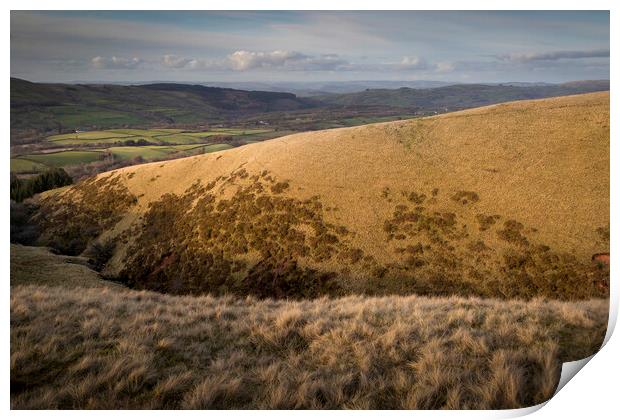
(106, 348)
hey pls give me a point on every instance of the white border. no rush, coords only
(592, 394)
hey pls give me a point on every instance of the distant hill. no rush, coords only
(56, 108)
(326, 88)
(457, 97)
(510, 200)
(50, 107)
(47, 108)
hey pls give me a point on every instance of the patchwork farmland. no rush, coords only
(155, 136)
(81, 148)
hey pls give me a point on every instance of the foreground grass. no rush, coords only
(107, 348)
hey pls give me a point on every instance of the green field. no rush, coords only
(177, 138)
(186, 146)
(145, 152)
(147, 133)
(65, 158)
(102, 141)
(25, 166)
(89, 135)
(241, 131)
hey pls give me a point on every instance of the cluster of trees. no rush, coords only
(140, 142)
(24, 188)
(23, 230)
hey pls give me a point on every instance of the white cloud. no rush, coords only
(413, 63)
(444, 67)
(286, 60)
(243, 60)
(175, 62)
(283, 60)
(248, 60)
(116, 63)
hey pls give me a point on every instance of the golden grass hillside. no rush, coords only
(510, 200)
(108, 348)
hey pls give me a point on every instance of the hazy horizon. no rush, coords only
(298, 82)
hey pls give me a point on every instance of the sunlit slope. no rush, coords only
(506, 200)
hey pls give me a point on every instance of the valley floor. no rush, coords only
(101, 346)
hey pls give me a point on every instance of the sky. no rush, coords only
(281, 46)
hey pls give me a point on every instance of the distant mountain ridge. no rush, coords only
(456, 97)
(51, 107)
(298, 88)
(48, 107)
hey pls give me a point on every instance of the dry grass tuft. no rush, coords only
(105, 348)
